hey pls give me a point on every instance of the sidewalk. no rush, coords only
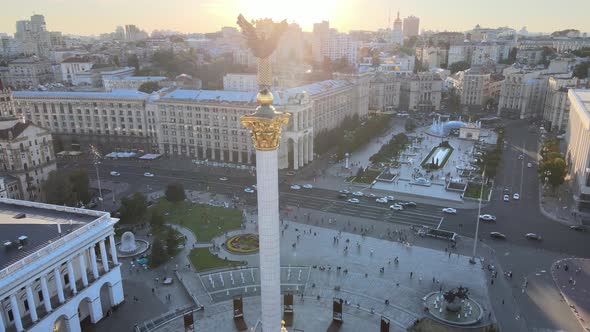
(558, 206)
(574, 285)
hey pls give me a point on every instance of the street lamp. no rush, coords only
(472, 259)
(97, 157)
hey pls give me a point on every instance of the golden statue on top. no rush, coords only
(261, 46)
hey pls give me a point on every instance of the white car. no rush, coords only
(358, 193)
(353, 200)
(307, 186)
(371, 195)
(344, 191)
(487, 217)
(390, 198)
(520, 157)
(249, 190)
(115, 173)
(223, 178)
(295, 187)
(506, 198)
(533, 236)
(148, 175)
(381, 200)
(449, 210)
(529, 165)
(516, 197)
(396, 207)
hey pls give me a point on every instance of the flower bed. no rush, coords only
(242, 244)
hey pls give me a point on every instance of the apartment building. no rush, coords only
(59, 267)
(29, 73)
(421, 92)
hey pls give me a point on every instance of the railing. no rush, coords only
(164, 319)
(103, 217)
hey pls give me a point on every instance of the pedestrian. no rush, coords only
(492, 281)
(502, 301)
(153, 290)
(411, 275)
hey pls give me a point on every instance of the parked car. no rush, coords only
(449, 210)
(307, 186)
(506, 198)
(497, 235)
(358, 193)
(516, 196)
(295, 187)
(115, 173)
(396, 207)
(487, 217)
(149, 175)
(533, 236)
(353, 200)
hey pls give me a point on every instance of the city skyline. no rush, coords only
(185, 16)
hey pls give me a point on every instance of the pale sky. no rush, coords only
(87, 17)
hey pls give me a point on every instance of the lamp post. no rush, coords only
(97, 157)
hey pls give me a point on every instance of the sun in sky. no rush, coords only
(303, 12)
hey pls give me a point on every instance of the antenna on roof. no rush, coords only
(59, 228)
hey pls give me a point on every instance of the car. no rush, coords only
(449, 210)
(223, 178)
(520, 157)
(381, 200)
(371, 195)
(307, 186)
(533, 236)
(344, 191)
(529, 165)
(487, 217)
(578, 228)
(506, 198)
(497, 235)
(353, 200)
(115, 173)
(149, 175)
(358, 193)
(295, 187)
(396, 207)
(390, 198)
(342, 195)
(516, 196)
(290, 173)
(249, 190)
(408, 204)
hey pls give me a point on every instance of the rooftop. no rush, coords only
(115, 94)
(583, 97)
(144, 78)
(39, 226)
(211, 95)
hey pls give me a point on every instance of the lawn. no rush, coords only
(205, 221)
(474, 189)
(203, 259)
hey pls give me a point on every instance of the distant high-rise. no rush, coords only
(411, 26)
(397, 35)
(33, 37)
(133, 33)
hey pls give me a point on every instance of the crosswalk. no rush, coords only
(422, 215)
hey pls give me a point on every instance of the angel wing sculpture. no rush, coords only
(261, 46)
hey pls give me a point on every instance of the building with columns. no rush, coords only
(59, 267)
(577, 137)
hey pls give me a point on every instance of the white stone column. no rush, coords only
(72, 277)
(240, 156)
(269, 235)
(2, 328)
(103, 256)
(295, 154)
(83, 272)
(32, 305)
(305, 153)
(73, 323)
(46, 295)
(113, 249)
(300, 146)
(310, 147)
(59, 285)
(93, 262)
(16, 313)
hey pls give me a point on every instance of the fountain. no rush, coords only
(454, 307)
(443, 129)
(130, 246)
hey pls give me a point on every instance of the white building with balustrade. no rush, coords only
(58, 265)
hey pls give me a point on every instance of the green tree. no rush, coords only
(410, 125)
(156, 219)
(175, 192)
(133, 208)
(171, 242)
(58, 189)
(133, 61)
(553, 171)
(80, 185)
(581, 70)
(158, 254)
(149, 87)
(459, 66)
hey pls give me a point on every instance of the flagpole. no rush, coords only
(472, 260)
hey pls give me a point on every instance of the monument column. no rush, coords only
(266, 126)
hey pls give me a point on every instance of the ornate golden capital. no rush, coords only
(266, 132)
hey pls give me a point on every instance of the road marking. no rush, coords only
(440, 223)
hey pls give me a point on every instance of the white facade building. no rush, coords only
(29, 73)
(397, 33)
(421, 92)
(240, 82)
(557, 105)
(129, 82)
(578, 146)
(72, 66)
(59, 267)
